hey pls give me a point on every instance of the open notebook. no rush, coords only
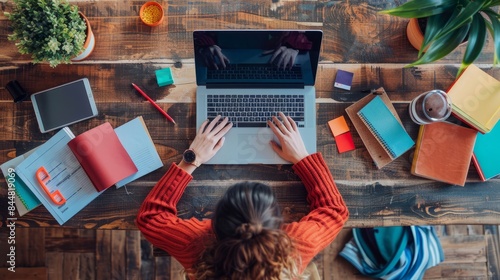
(79, 168)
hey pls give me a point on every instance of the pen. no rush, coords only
(152, 102)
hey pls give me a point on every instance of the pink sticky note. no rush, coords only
(338, 126)
(344, 142)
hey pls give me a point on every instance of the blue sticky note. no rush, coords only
(164, 77)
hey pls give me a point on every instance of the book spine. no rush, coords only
(417, 149)
(377, 135)
(469, 124)
(478, 168)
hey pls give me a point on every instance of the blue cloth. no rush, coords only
(394, 252)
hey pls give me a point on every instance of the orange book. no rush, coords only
(443, 152)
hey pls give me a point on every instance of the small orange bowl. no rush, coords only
(151, 13)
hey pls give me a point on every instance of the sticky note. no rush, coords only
(343, 79)
(344, 142)
(164, 77)
(338, 126)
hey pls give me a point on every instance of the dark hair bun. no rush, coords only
(248, 231)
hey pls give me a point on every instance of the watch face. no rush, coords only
(189, 156)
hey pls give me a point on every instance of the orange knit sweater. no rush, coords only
(184, 239)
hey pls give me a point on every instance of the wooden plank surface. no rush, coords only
(356, 39)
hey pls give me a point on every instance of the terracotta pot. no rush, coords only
(414, 33)
(89, 41)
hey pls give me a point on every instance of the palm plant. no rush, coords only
(449, 23)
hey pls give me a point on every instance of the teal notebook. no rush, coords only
(486, 155)
(385, 127)
(25, 199)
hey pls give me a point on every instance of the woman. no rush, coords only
(246, 238)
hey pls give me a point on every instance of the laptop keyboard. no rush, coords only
(255, 71)
(255, 110)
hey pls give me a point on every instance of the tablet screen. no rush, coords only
(64, 105)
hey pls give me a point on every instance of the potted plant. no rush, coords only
(449, 23)
(51, 31)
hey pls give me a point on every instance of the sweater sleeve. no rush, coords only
(328, 212)
(157, 219)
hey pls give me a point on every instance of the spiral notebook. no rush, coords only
(25, 199)
(385, 127)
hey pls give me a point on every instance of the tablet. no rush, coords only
(64, 105)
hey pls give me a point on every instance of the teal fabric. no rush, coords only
(390, 242)
(394, 252)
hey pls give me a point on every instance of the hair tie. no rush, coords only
(247, 231)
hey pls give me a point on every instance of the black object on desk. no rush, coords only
(16, 91)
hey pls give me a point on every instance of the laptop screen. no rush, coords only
(259, 58)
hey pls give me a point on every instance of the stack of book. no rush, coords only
(380, 128)
(475, 98)
(67, 172)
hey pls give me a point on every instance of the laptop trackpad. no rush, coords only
(254, 147)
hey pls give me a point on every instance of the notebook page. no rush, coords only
(135, 138)
(67, 176)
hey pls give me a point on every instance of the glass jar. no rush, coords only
(430, 106)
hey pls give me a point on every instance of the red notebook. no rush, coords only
(102, 156)
(443, 152)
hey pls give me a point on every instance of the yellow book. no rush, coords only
(475, 96)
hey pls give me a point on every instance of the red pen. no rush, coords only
(152, 102)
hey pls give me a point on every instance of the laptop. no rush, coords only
(251, 75)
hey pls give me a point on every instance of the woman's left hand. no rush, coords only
(208, 141)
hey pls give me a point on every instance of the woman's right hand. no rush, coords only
(291, 146)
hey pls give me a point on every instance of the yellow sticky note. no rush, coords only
(338, 126)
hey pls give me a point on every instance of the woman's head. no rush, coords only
(245, 210)
(249, 242)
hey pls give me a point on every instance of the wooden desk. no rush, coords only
(356, 39)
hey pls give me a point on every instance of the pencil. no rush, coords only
(154, 103)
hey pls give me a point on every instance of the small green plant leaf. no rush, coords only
(420, 8)
(494, 29)
(493, 3)
(442, 47)
(475, 42)
(464, 17)
(51, 31)
(434, 25)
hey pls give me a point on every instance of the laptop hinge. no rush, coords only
(251, 85)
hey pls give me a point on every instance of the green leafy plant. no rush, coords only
(49, 30)
(449, 23)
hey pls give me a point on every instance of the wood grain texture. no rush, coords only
(492, 235)
(356, 38)
(469, 252)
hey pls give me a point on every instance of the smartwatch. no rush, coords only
(189, 156)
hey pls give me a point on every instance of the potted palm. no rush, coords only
(51, 31)
(449, 23)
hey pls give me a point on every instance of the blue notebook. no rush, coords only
(386, 128)
(486, 155)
